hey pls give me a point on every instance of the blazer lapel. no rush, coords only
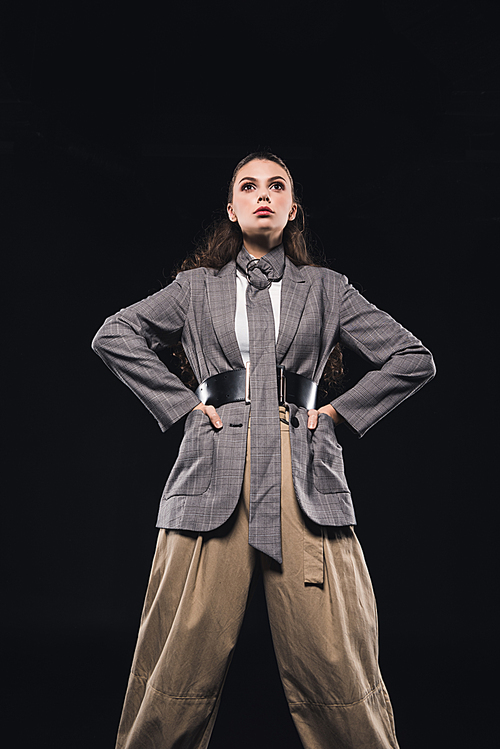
(294, 291)
(222, 300)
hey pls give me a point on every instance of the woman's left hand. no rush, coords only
(312, 421)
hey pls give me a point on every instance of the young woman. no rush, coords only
(259, 484)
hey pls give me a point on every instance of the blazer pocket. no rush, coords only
(192, 471)
(328, 464)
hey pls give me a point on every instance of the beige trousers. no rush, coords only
(323, 622)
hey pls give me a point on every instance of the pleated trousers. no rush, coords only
(323, 621)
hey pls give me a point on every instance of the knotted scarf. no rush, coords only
(265, 448)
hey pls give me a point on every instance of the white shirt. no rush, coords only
(241, 319)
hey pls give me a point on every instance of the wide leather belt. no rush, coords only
(232, 386)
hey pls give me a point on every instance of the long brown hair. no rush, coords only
(221, 243)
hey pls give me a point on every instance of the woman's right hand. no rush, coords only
(211, 413)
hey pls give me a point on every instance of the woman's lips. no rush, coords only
(263, 212)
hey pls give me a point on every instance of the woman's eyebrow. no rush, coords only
(271, 179)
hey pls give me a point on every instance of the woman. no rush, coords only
(258, 323)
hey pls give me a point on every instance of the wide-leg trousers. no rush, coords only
(323, 621)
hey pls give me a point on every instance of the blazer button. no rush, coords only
(294, 421)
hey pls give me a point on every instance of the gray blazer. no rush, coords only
(318, 308)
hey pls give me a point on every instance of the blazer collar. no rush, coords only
(294, 291)
(221, 290)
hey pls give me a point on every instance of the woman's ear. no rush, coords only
(231, 213)
(293, 212)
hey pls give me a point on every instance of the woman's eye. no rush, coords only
(274, 186)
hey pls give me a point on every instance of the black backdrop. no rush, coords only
(118, 134)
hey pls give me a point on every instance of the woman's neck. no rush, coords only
(259, 245)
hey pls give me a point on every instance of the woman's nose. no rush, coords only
(264, 196)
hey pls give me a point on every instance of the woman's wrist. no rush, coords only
(329, 409)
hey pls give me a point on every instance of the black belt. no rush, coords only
(232, 386)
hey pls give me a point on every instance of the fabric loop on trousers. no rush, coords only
(313, 558)
(313, 553)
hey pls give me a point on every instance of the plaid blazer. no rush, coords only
(318, 308)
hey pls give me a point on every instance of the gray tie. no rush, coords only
(265, 448)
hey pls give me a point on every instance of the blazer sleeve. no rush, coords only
(128, 341)
(402, 365)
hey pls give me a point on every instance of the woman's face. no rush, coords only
(262, 201)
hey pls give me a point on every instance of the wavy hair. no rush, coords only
(221, 243)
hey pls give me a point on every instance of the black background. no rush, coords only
(119, 131)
